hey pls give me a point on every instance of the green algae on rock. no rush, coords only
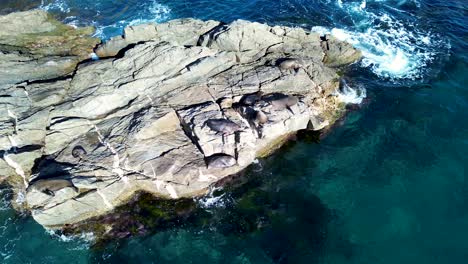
(142, 214)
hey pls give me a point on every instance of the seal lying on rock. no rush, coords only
(255, 118)
(251, 99)
(291, 100)
(78, 152)
(51, 186)
(281, 101)
(247, 112)
(261, 117)
(220, 161)
(223, 126)
(289, 64)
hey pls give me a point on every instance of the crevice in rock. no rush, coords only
(46, 167)
(51, 80)
(19, 150)
(210, 36)
(61, 119)
(122, 52)
(186, 129)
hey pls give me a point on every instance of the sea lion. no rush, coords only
(223, 125)
(251, 99)
(220, 161)
(290, 64)
(247, 112)
(291, 100)
(281, 101)
(261, 117)
(78, 152)
(50, 186)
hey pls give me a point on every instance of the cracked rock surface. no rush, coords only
(170, 109)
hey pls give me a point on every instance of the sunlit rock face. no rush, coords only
(170, 109)
(35, 46)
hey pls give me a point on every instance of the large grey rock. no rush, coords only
(140, 121)
(35, 46)
(179, 32)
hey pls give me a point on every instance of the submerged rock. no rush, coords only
(144, 121)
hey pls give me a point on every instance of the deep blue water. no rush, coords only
(389, 184)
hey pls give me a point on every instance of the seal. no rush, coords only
(247, 112)
(291, 100)
(50, 186)
(289, 64)
(78, 152)
(281, 101)
(251, 99)
(220, 161)
(223, 126)
(261, 117)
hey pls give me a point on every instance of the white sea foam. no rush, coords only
(55, 5)
(363, 4)
(212, 201)
(391, 48)
(349, 95)
(86, 237)
(152, 12)
(155, 12)
(4, 200)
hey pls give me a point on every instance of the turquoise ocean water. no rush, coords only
(389, 184)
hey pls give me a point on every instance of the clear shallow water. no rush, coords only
(388, 185)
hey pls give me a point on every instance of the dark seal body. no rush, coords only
(251, 99)
(223, 125)
(78, 152)
(281, 101)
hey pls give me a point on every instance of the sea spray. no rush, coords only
(96, 13)
(349, 95)
(55, 5)
(153, 13)
(215, 198)
(392, 48)
(85, 239)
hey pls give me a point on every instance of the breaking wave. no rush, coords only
(393, 43)
(349, 95)
(109, 18)
(392, 48)
(57, 5)
(154, 13)
(214, 199)
(85, 239)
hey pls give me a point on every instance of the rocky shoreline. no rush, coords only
(168, 109)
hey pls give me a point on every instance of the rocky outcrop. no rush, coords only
(35, 46)
(181, 106)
